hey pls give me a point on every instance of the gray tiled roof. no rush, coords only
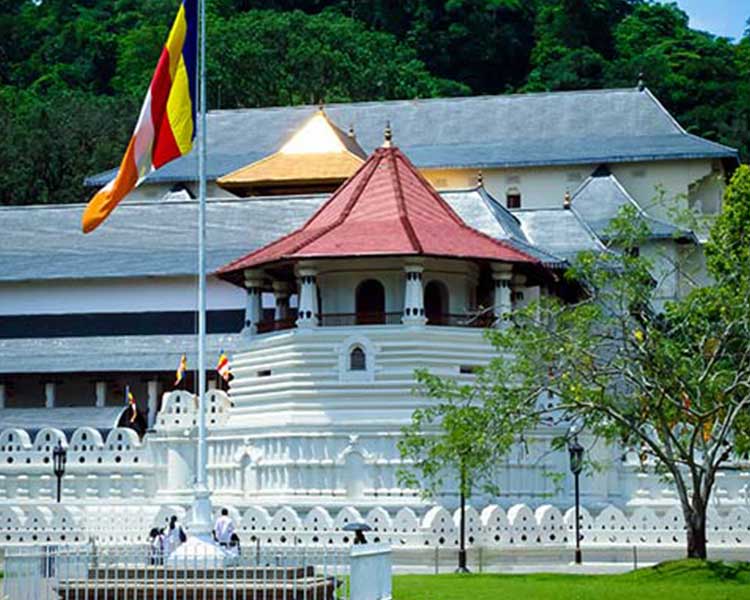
(65, 419)
(483, 131)
(599, 199)
(558, 230)
(140, 238)
(159, 238)
(113, 354)
(481, 210)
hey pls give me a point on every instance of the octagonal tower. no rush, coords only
(384, 278)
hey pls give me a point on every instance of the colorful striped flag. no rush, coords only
(223, 366)
(181, 369)
(166, 126)
(131, 403)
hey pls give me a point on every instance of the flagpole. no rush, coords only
(202, 503)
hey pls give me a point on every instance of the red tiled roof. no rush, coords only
(385, 209)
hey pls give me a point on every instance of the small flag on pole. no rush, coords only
(131, 403)
(223, 366)
(166, 125)
(181, 369)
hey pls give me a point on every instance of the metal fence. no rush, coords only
(88, 572)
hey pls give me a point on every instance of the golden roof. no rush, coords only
(318, 153)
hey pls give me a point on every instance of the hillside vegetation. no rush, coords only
(73, 72)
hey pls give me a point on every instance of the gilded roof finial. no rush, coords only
(641, 82)
(387, 135)
(480, 178)
(566, 199)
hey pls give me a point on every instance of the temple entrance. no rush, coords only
(370, 303)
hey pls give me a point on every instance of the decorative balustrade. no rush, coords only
(493, 527)
(479, 320)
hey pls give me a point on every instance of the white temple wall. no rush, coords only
(698, 181)
(115, 295)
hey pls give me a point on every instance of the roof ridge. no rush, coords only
(394, 101)
(403, 214)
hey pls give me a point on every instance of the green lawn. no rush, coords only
(688, 580)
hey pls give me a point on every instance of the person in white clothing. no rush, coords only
(224, 528)
(175, 536)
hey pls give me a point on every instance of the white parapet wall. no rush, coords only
(518, 533)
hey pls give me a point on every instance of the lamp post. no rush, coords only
(59, 458)
(575, 450)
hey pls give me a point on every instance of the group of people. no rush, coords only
(165, 541)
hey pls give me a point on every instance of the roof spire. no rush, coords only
(480, 178)
(566, 200)
(641, 82)
(387, 135)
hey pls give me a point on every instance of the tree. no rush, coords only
(53, 138)
(461, 435)
(262, 58)
(673, 386)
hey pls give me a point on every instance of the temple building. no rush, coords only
(348, 245)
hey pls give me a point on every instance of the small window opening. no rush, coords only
(263, 373)
(468, 369)
(513, 200)
(357, 360)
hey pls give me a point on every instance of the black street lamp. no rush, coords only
(462, 568)
(59, 458)
(576, 466)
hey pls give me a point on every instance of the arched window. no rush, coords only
(436, 307)
(357, 359)
(370, 303)
(513, 198)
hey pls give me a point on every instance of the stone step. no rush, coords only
(151, 572)
(197, 589)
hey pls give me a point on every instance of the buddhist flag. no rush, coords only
(223, 366)
(166, 126)
(181, 369)
(131, 403)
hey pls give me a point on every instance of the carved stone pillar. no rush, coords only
(307, 315)
(101, 394)
(281, 293)
(254, 307)
(413, 296)
(49, 394)
(502, 275)
(2, 395)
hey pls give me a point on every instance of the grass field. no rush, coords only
(683, 580)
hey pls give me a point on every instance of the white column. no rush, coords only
(413, 296)
(517, 283)
(101, 393)
(281, 296)
(212, 384)
(307, 315)
(153, 400)
(49, 394)
(254, 309)
(502, 275)
(2, 395)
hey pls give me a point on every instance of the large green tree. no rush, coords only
(672, 385)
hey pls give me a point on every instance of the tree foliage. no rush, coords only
(674, 387)
(270, 52)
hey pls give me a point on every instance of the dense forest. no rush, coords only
(73, 72)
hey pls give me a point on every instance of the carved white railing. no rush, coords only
(493, 527)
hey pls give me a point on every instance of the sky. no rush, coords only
(721, 17)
